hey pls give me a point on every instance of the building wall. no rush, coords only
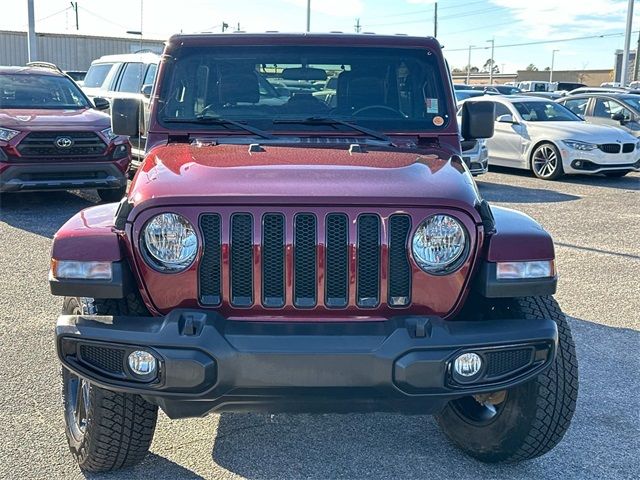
(592, 78)
(69, 52)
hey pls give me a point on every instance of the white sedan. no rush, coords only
(540, 135)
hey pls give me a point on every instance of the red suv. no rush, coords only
(53, 138)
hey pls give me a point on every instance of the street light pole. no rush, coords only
(492, 41)
(32, 42)
(308, 15)
(469, 64)
(553, 58)
(627, 42)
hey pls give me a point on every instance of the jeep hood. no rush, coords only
(217, 174)
(58, 119)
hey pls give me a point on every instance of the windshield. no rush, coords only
(633, 101)
(387, 89)
(545, 112)
(97, 74)
(507, 90)
(40, 91)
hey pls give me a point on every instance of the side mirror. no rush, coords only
(508, 118)
(125, 116)
(618, 117)
(477, 120)
(101, 103)
(146, 90)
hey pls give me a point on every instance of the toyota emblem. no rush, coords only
(64, 142)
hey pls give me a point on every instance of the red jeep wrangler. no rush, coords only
(281, 250)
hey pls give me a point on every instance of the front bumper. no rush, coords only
(21, 177)
(596, 161)
(207, 363)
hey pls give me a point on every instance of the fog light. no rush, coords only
(142, 363)
(467, 365)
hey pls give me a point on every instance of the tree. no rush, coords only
(531, 68)
(546, 69)
(487, 66)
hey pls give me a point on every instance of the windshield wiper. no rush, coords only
(336, 121)
(206, 120)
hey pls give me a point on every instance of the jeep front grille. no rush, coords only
(325, 260)
(43, 144)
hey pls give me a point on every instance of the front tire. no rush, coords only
(528, 420)
(105, 430)
(546, 162)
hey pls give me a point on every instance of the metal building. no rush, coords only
(69, 52)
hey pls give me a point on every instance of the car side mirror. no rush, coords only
(146, 90)
(507, 118)
(125, 116)
(101, 103)
(283, 91)
(477, 120)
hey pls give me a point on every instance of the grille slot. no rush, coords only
(610, 147)
(337, 260)
(210, 270)
(43, 144)
(241, 260)
(104, 358)
(273, 241)
(304, 261)
(399, 267)
(628, 147)
(368, 264)
(507, 361)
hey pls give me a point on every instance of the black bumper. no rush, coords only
(22, 177)
(207, 363)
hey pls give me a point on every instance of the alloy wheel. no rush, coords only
(545, 161)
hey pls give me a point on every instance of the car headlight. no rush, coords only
(439, 244)
(170, 242)
(7, 134)
(578, 145)
(108, 133)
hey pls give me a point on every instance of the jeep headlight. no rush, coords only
(170, 242)
(439, 244)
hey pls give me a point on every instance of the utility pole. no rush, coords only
(435, 20)
(627, 41)
(225, 25)
(308, 15)
(635, 64)
(553, 58)
(74, 7)
(469, 64)
(32, 45)
(357, 26)
(492, 41)
(238, 27)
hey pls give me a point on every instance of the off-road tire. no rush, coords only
(112, 195)
(119, 426)
(534, 416)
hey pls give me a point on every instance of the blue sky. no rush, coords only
(461, 23)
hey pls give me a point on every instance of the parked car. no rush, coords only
(285, 258)
(476, 156)
(76, 75)
(464, 94)
(125, 76)
(53, 138)
(620, 110)
(566, 86)
(533, 86)
(498, 89)
(604, 90)
(549, 95)
(549, 139)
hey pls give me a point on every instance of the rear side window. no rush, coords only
(97, 74)
(131, 79)
(150, 76)
(577, 105)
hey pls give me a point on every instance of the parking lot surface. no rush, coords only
(595, 222)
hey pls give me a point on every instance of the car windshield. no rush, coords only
(507, 90)
(40, 91)
(632, 100)
(545, 112)
(386, 89)
(464, 94)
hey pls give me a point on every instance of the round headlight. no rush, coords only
(170, 241)
(438, 244)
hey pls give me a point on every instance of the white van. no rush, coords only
(537, 86)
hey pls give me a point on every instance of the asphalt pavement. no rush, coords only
(595, 222)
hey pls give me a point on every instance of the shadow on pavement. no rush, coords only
(153, 466)
(396, 446)
(499, 192)
(43, 213)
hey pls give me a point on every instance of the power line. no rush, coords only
(541, 42)
(102, 18)
(414, 12)
(467, 14)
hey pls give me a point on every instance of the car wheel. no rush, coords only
(546, 162)
(112, 195)
(526, 421)
(105, 430)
